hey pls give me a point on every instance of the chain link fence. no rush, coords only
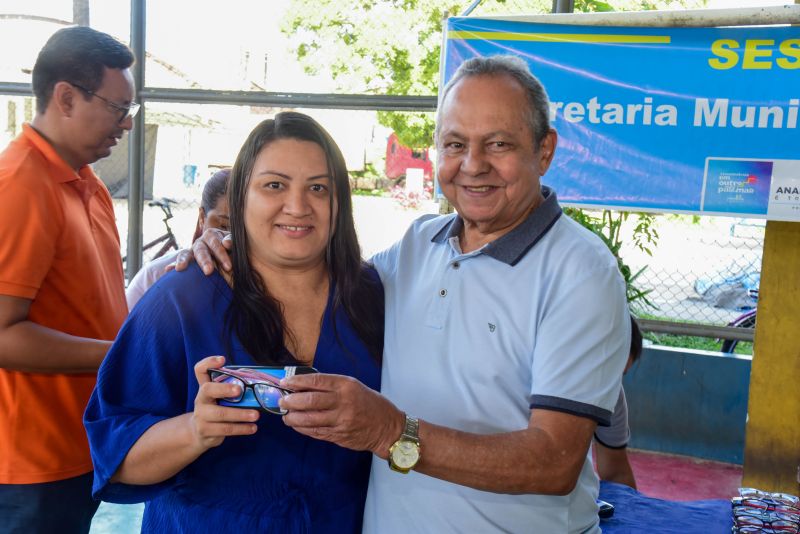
(703, 269)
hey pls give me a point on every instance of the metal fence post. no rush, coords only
(136, 145)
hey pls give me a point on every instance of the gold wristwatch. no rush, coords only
(405, 452)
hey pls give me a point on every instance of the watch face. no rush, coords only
(405, 454)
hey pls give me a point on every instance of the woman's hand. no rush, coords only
(170, 445)
(211, 423)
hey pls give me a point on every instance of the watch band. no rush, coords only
(411, 429)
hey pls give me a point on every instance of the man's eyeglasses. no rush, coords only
(265, 389)
(124, 111)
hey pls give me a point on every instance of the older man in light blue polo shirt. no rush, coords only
(507, 331)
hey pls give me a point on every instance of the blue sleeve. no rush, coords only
(143, 380)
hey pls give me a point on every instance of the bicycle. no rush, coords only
(745, 320)
(168, 238)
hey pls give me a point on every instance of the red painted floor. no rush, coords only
(683, 478)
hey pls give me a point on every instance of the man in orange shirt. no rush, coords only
(62, 297)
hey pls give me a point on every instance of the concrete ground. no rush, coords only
(683, 478)
(117, 519)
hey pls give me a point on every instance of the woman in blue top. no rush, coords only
(298, 294)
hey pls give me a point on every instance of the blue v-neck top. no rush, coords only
(276, 480)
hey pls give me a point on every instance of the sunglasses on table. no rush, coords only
(254, 385)
(747, 529)
(748, 520)
(764, 505)
(780, 499)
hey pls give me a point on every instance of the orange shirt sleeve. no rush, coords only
(29, 231)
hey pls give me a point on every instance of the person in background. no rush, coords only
(213, 213)
(611, 442)
(298, 295)
(62, 297)
(507, 334)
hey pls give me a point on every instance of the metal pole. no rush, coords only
(677, 18)
(444, 205)
(136, 145)
(691, 329)
(563, 6)
(290, 100)
(15, 89)
(470, 9)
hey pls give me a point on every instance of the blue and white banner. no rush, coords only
(690, 120)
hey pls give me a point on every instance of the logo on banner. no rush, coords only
(737, 186)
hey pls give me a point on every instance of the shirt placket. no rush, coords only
(447, 286)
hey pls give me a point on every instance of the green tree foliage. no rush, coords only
(386, 47)
(392, 47)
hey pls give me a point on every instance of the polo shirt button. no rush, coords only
(442, 292)
(456, 265)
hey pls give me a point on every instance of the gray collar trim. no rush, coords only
(512, 247)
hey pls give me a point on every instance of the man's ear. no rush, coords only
(63, 98)
(547, 149)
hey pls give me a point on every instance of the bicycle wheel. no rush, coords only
(171, 244)
(747, 320)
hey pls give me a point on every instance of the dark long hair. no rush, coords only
(254, 315)
(216, 187)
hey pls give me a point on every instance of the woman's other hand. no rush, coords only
(170, 445)
(211, 423)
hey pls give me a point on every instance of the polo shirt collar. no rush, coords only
(64, 173)
(512, 247)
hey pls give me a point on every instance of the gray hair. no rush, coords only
(538, 113)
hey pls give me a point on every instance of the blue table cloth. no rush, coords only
(637, 513)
